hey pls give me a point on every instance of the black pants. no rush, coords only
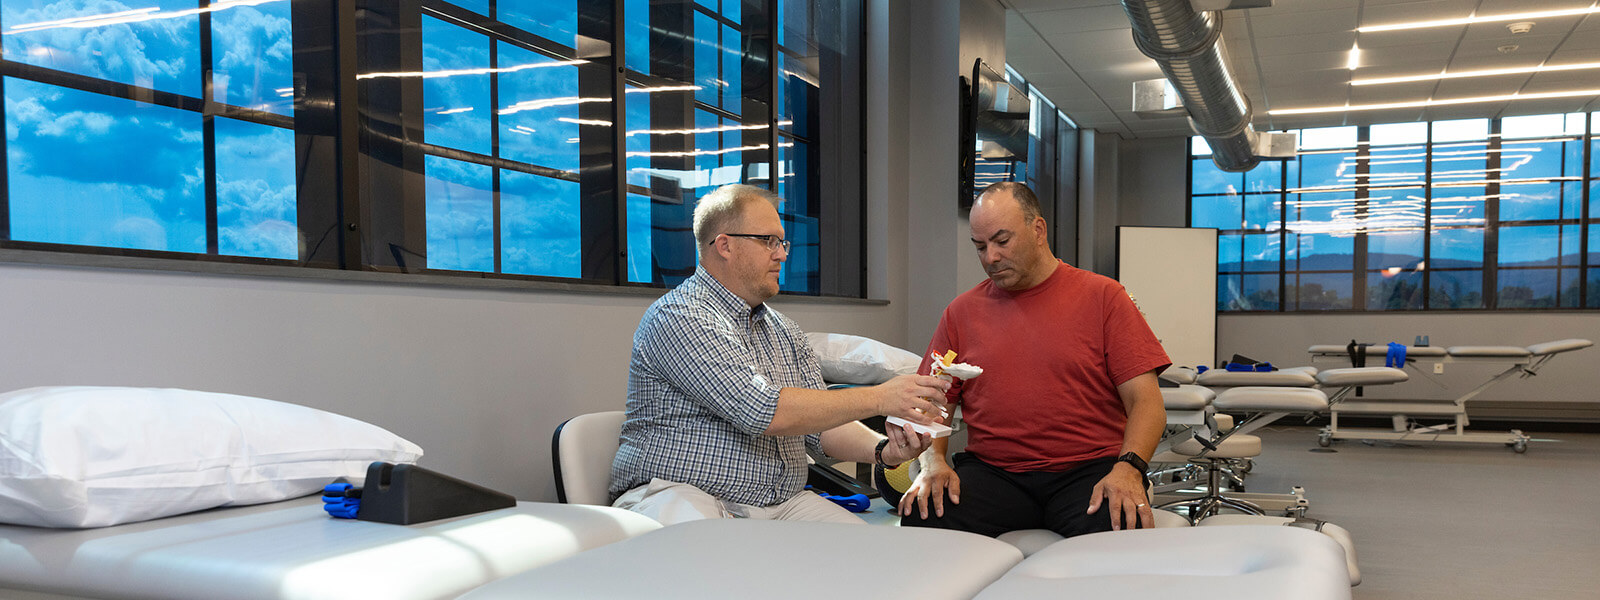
(994, 501)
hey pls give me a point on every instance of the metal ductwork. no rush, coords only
(1188, 46)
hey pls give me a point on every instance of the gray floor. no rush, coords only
(1452, 522)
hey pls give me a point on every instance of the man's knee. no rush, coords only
(670, 503)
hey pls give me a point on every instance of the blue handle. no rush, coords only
(854, 503)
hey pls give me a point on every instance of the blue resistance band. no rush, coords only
(341, 500)
(1255, 368)
(1396, 357)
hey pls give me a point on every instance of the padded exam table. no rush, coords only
(739, 558)
(1520, 361)
(292, 550)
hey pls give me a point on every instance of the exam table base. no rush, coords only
(1455, 433)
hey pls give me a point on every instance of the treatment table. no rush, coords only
(292, 550)
(1520, 361)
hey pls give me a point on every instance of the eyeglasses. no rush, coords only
(773, 242)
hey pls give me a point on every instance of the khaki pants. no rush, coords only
(670, 503)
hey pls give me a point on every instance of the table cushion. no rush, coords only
(1180, 375)
(1184, 398)
(1378, 350)
(1558, 346)
(1335, 532)
(1234, 563)
(1361, 376)
(771, 559)
(1221, 378)
(1271, 399)
(1031, 541)
(293, 550)
(1490, 351)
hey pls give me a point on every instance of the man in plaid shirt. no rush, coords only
(725, 397)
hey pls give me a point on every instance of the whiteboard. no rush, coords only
(1172, 274)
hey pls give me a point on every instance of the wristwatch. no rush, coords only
(1133, 459)
(877, 454)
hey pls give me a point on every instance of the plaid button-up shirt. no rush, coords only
(702, 387)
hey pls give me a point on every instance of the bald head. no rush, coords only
(1020, 193)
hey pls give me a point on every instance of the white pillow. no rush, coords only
(98, 456)
(859, 360)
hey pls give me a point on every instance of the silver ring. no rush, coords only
(1139, 506)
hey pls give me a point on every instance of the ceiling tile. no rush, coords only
(1442, 36)
(1038, 5)
(1280, 22)
(1070, 20)
(1381, 13)
(1301, 44)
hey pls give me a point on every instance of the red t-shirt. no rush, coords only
(1052, 358)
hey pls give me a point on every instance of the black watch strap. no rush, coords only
(877, 454)
(1133, 459)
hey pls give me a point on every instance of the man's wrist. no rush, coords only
(1134, 460)
(877, 455)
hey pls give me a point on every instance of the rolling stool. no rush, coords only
(1230, 449)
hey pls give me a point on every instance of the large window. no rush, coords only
(514, 139)
(163, 128)
(1465, 214)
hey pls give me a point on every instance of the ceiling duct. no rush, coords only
(1188, 46)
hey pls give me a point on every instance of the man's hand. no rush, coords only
(935, 479)
(904, 444)
(1122, 491)
(915, 398)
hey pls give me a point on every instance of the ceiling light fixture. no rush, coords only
(1593, 8)
(1427, 103)
(1478, 73)
(1354, 61)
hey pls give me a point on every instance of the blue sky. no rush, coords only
(135, 177)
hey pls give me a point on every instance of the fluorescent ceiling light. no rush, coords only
(1427, 103)
(1483, 19)
(1479, 73)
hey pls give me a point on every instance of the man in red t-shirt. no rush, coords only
(1067, 412)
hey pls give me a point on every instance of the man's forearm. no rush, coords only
(851, 442)
(1145, 427)
(804, 411)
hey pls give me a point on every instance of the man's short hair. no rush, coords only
(1026, 199)
(724, 206)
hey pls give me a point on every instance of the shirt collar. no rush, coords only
(727, 300)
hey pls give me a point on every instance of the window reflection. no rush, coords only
(154, 46)
(456, 108)
(1413, 215)
(253, 56)
(256, 190)
(136, 178)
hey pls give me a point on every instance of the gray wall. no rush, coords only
(1098, 200)
(1153, 185)
(944, 38)
(1152, 193)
